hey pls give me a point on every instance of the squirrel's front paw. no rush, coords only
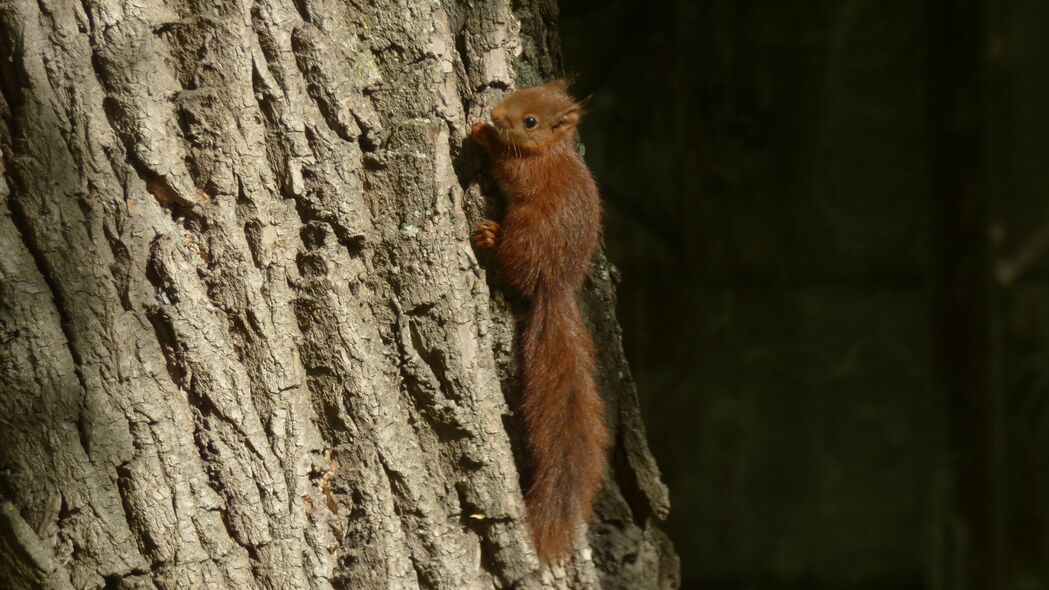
(484, 235)
(480, 132)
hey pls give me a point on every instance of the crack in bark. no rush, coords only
(29, 241)
(11, 81)
(422, 574)
(421, 379)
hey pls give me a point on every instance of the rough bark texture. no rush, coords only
(244, 341)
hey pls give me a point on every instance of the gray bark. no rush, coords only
(245, 340)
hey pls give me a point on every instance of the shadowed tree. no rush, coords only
(244, 340)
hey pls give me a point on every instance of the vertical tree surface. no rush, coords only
(244, 341)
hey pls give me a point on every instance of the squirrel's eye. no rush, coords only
(530, 122)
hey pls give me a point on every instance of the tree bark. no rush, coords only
(245, 340)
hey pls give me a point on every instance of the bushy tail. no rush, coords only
(565, 423)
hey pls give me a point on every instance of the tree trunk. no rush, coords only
(245, 340)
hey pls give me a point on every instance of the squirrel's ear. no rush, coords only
(560, 85)
(569, 117)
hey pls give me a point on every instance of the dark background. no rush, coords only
(832, 224)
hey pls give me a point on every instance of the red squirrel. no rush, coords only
(545, 245)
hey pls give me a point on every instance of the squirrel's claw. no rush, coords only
(482, 133)
(484, 235)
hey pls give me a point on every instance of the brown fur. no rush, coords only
(545, 245)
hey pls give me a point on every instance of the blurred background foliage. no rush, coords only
(832, 223)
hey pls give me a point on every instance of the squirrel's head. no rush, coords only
(533, 119)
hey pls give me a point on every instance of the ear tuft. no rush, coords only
(569, 117)
(558, 85)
